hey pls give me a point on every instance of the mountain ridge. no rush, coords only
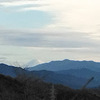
(69, 78)
(66, 64)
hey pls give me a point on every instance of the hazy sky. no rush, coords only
(49, 30)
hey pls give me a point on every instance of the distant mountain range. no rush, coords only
(82, 73)
(12, 70)
(65, 79)
(67, 72)
(79, 70)
(66, 65)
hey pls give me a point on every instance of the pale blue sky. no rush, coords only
(25, 19)
(49, 30)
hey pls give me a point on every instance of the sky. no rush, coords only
(47, 30)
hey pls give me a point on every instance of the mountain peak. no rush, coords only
(67, 64)
(33, 63)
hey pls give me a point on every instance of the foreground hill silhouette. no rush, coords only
(25, 88)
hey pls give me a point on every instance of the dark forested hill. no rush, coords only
(32, 89)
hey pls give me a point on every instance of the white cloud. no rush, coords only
(78, 15)
(47, 38)
(15, 3)
(75, 29)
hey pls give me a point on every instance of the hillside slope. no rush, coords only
(15, 89)
(12, 70)
(82, 72)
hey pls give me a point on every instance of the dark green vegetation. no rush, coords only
(20, 84)
(26, 88)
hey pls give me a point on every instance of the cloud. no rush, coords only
(75, 28)
(2, 59)
(10, 3)
(47, 38)
(75, 24)
(78, 15)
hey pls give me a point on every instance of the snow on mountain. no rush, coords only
(33, 63)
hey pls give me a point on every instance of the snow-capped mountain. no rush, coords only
(33, 63)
